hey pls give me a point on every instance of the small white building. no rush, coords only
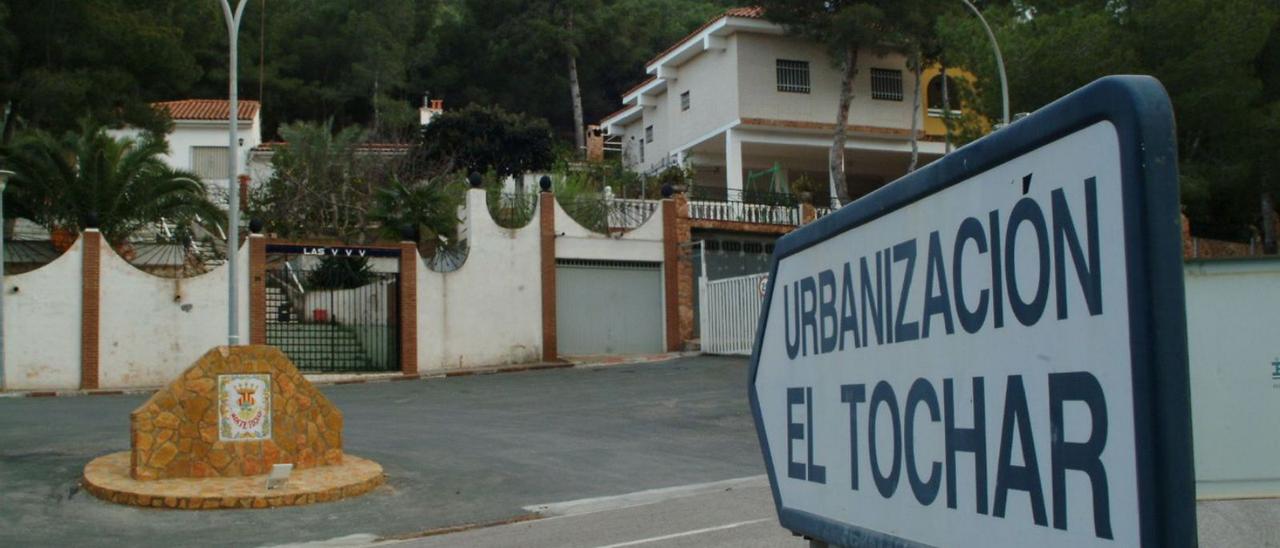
(198, 142)
(739, 96)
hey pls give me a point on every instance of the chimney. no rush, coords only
(430, 108)
(595, 144)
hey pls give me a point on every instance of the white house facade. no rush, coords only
(198, 142)
(749, 108)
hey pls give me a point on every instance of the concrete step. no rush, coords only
(313, 338)
(318, 347)
(307, 327)
(334, 365)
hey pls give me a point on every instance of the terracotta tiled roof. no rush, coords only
(750, 12)
(636, 87)
(271, 146)
(207, 109)
(617, 112)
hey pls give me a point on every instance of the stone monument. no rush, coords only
(208, 438)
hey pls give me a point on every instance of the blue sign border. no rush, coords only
(1139, 108)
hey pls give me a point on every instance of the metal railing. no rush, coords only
(606, 214)
(334, 329)
(512, 209)
(722, 204)
(448, 257)
(722, 194)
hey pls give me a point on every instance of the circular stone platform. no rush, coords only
(107, 477)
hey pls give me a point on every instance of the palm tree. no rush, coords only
(428, 208)
(90, 179)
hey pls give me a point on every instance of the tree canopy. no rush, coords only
(369, 64)
(1218, 59)
(481, 139)
(352, 61)
(89, 179)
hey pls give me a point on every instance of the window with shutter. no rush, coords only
(209, 162)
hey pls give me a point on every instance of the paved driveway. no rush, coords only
(460, 450)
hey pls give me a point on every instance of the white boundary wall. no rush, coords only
(644, 243)
(489, 311)
(1233, 308)
(152, 328)
(42, 324)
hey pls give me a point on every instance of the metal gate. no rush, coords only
(729, 311)
(608, 307)
(327, 320)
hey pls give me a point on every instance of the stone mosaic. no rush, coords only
(176, 433)
(107, 477)
(244, 407)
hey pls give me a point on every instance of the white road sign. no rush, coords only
(965, 358)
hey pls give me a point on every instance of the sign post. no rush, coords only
(992, 350)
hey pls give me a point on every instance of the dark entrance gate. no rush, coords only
(334, 309)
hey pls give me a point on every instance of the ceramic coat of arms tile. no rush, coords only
(244, 407)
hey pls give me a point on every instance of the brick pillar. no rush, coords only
(408, 308)
(547, 225)
(257, 289)
(677, 272)
(670, 274)
(89, 312)
(684, 269)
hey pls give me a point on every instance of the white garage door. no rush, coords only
(608, 307)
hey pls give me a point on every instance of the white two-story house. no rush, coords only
(749, 108)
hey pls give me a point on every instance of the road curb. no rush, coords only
(606, 361)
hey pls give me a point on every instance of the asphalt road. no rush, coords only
(730, 514)
(647, 455)
(463, 450)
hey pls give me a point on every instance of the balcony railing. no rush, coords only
(746, 206)
(607, 214)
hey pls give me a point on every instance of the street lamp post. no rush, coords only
(233, 153)
(4, 180)
(1004, 80)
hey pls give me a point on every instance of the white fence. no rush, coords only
(729, 310)
(744, 212)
